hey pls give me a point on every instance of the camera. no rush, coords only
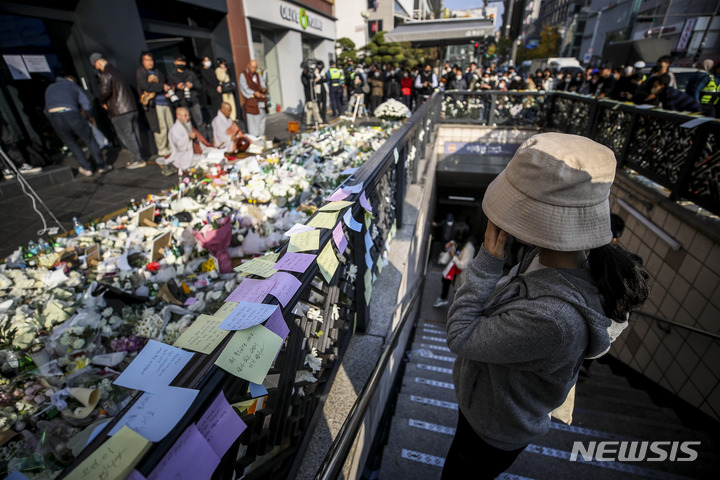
(308, 65)
(173, 96)
(186, 93)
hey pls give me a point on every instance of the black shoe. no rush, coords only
(105, 169)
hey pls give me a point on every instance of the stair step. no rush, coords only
(637, 410)
(429, 409)
(416, 449)
(433, 372)
(426, 387)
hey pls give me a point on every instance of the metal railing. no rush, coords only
(682, 326)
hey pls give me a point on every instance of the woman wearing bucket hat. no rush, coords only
(520, 340)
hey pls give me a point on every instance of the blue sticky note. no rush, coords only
(396, 154)
(351, 222)
(246, 315)
(16, 475)
(154, 368)
(354, 188)
(257, 390)
(368, 260)
(368, 241)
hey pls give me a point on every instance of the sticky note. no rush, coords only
(393, 229)
(396, 154)
(368, 219)
(323, 220)
(364, 202)
(285, 287)
(276, 324)
(259, 266)
(351, 222)
(225, 310)
(354, 188)
(203, 335)
(153, 415)
(304, 241)
(369, 260)
(298, 228)
(220, 425)
(327, 262)
(250, 353)
(154, 368)
(368, 241)
(368, 285)
(135, 475)
(114, 458)
(348, 171)
(191, 457)
(295, 262)
(247, 315)
(380, 264)
(257, 390)
(251, 290)
(339, 238)
(334, 206)
(338, 195)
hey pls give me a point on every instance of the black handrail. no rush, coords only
(337, 454)
(679, 325)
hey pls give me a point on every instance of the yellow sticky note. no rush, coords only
(380, 263)
(368, 219)
(393, 229)
(257, 266)
(203, 335)
(113, 459)
(225, 310)
(302, 242)
(270, 257)
(335, 206)
(368, 286)
(323, 220)
(250, 353)
(327, 262)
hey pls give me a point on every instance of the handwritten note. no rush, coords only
(259, 266)
(298, 228)
(154, 368)
(250, 353)
(302, 242)
(225, 310)
(338, 195)
(153, 415)
(276, 324)
(339, 238)
(115, 458)
(351, 222)
(203, 335)
(334, 206)
(295, 262)
(364, 202)
(182, 462)
(323, 220)
(327, 262)
(220, 425)
(251, 290)
(247, 315)
(285, 287)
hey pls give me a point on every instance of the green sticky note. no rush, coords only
(368, 285)
(203, 335)
(393, 229)
(225, 310)
(327, 262)
(380, 263)
(305, 241)
(258, 266)
(368, 219)
(115, 458)
(323, 220)
(250, 353)
(335, 206)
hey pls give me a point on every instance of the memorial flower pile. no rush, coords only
(392, 110)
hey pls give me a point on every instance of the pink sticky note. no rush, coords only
(276, 324)
(285, 287)
(251, 290)
(295, 262)
(364, 202)
(220, 425)
(339, 237)
(181, 461)
(338, 195)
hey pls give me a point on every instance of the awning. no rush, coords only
(627, 53)
(452, 31)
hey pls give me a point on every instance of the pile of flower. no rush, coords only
(76, 310)
(392, 110)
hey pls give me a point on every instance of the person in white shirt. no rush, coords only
(185, 141)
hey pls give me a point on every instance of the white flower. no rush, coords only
(78, 343)
(304, 376)
(312, 360)
(107, 312)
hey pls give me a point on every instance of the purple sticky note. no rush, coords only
(251, 290)
(338, 195)
(190, 301)
(364, 202)
(247, 315)
(285, 287)
(339, 237)
(220, 425)
(181, 461)
(295, 262)
(276, 324)
(134, 475)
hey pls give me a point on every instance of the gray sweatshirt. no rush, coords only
(520, 345)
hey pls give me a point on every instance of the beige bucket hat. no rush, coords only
(554, 193)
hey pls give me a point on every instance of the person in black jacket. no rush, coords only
(211, 91)
(116, 96)
(187, 86)
(671, 98)
(156, 105)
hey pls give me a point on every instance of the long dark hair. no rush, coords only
(621, 279)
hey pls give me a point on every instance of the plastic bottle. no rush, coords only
(79, 229)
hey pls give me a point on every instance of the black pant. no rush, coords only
(70, 124)
(336, 97)
(469, 451)
(445, 288)
(128, 131)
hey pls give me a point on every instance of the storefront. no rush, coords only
(280, 35)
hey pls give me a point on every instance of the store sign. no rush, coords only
(301, 17)
(685, 35)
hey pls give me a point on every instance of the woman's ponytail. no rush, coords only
(621, 280)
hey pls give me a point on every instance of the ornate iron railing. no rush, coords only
(676, 150)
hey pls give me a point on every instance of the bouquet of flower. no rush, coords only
(392, 110)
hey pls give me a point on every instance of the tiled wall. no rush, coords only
(686, 290)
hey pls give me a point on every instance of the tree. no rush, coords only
(380, 52)
(549, 45)
(347, 52)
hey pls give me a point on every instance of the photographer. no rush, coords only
(152, 89)
(185, 86)
(309, 79)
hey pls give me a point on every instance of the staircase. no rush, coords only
(608, 407)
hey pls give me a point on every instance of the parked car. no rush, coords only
(682, 74)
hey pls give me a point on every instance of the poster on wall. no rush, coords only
(17, 67)
(36, 63)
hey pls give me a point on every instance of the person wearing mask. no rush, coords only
(520, 338)
(336, 82)
(458, 81)
(606, 82)
(462, 251)
(664, 69)
(223, 77)
(321, 92)
(470, 74)
(391, 79)
(357, 94)
(307, 77)
(516, 83)
(186, 86)
(406, 89)
(116, 96)
(153, 88)
(253, 89)
(577, 82)
(377, 86)
(623, 86)
(564, 85)
(707, 90)
(211, 91)
(425, 83)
